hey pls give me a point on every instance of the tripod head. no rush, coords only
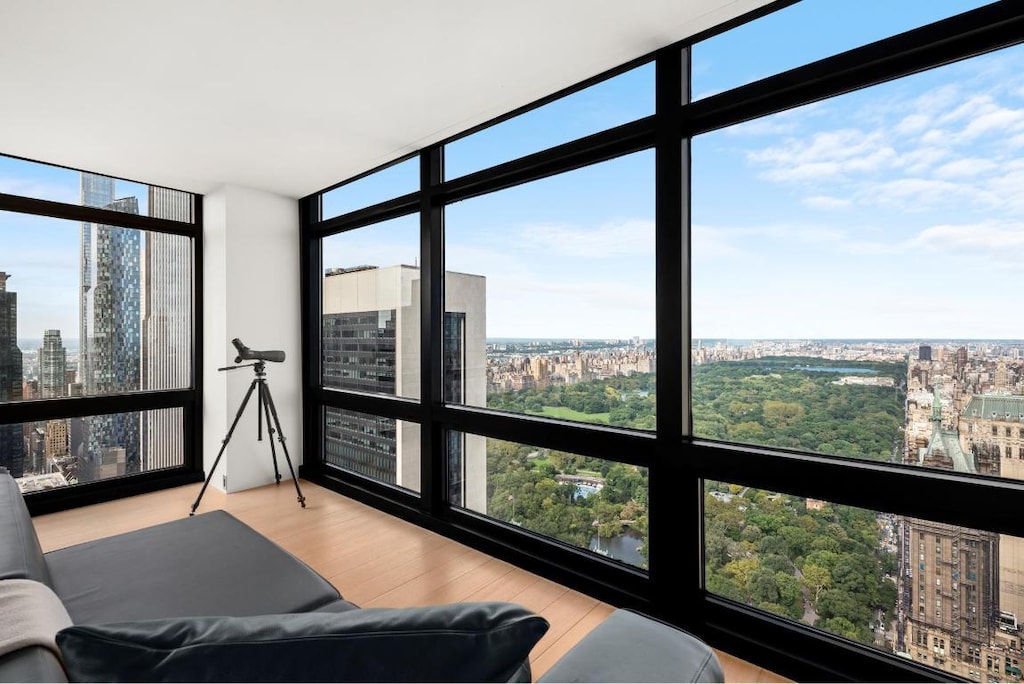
(259, 366)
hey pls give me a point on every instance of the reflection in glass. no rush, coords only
(48, 454)
(589, 503)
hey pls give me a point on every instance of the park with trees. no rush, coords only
(822, 564)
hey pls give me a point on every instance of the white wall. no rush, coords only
(251, 291)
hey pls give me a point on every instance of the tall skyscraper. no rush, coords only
(924, 353)
(53, 366)
(371, 343)
(166, 326)
(12, 440)
(53, 382)
(96, 191)
(110, 340)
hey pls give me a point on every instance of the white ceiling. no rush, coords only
(289, 96)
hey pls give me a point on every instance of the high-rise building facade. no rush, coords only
(370, 342)
(53, 366)
(166, 312)
(12, 439)
(994, 424)
(924, 353)
(109, 360)
(960, 589)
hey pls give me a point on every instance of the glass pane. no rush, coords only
(42, 181)
(587, 502)
(88, 309)
(382, 449)
(48, 454)
(806, 32)
(943, 595)
(549, 298)
(857, 301)
(394, 181)
(613, 102)
(371, 309)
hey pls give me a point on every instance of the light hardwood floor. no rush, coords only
(374, 559)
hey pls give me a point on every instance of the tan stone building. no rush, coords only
(994, 425)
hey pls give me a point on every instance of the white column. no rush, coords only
(250, 291)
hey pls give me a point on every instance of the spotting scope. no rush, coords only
(246, 354)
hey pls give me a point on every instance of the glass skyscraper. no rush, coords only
(110, 328)
(12, 443)
(52, 366)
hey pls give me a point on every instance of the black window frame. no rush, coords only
(678, 463)
(189, 399)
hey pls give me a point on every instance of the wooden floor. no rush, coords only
(374, 559)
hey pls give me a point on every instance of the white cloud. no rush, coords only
(1004, 189)
(525, 306)
(914, 123)
(964, 168)
(987, 236)
(998, 121)
(825, 154)
(610, 240)
(936, 136)
(922, 194)
(970, 109)
(921, 159)
(826, 202)
(711, 243)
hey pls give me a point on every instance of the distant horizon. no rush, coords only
(73, 341)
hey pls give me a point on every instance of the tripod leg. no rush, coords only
(280, 436)
(223, 446)
(264, 409)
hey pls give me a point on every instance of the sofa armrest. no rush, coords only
(630, 647)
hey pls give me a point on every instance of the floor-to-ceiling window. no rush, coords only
(726, 334)
(97, 326)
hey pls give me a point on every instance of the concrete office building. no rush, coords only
(166, 345)
(371, 343)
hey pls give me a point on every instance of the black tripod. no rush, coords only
(265, 406)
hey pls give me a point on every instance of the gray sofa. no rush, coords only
(207, 598)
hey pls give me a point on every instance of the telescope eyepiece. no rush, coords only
(246, 354)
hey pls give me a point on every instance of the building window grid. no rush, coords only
(938, 548)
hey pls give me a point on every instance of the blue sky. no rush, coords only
(889, 212)
(42, 254)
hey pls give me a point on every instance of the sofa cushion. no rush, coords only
(630, 647)
(465, 642)
(210, 564)
(20, 554)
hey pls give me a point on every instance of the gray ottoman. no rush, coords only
(630, 647)
(210, 564)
